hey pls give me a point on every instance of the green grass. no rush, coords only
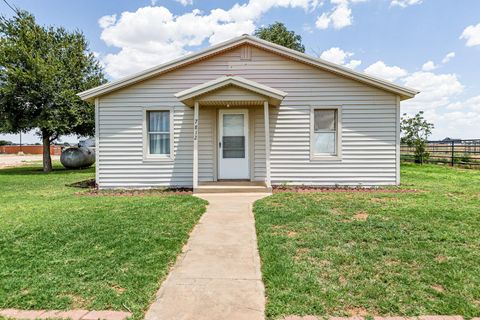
(416, 253)
(62, 251)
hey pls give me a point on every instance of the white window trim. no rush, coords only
(338, 155)
(145, 136)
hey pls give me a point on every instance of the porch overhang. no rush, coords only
(210, 93)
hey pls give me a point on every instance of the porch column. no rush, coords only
(195, 145)
(266, 117)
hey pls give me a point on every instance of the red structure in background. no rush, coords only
(54, 150)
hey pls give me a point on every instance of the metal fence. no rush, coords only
(464, 153)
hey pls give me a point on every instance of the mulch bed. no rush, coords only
(310, 189)
(95, 192)
(135, 193)
(85, 184)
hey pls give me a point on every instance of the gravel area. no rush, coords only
(13, 160)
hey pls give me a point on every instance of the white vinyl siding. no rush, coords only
(368, 133)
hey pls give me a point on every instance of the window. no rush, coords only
(158, 133)
(325, 133)
(233, 136)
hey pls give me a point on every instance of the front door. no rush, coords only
(233, 144)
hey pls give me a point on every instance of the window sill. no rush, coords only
(151, 158)
(325, 158)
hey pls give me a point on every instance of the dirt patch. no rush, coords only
(392, 262)
(13, 160)
(361, 216)
(310, 189)
(301, 253)
(118, 289)
(357, 311)
(323, 263)
(438, 288)
(338, 212)
(291, 234)
(383, 200)
(76, 301)
(440, 258)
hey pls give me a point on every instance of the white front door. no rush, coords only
(233, 144)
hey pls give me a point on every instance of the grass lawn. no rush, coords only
(375, 253)
(62, 251)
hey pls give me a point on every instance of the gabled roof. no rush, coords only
(403, 92)
(186, 96)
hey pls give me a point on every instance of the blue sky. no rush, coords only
(431, 45)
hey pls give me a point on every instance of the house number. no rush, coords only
(195, 130)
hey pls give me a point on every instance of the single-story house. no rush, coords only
(250, 110)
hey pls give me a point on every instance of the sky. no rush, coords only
(429, 45)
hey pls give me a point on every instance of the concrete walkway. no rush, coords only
(218, 275)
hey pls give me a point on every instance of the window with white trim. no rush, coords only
(325, 132)
(158, 132)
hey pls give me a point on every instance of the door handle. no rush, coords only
(220, 145)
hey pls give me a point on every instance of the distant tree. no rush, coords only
(279, 34)
(41, 71)
(415, 133)
(5, 143)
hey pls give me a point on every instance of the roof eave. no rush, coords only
(187, 95)
(145, 74)
(403, 92)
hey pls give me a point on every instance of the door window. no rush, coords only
(233, 139)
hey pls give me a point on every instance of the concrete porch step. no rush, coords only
(232, 187)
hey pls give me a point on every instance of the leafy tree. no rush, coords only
(279, 34)
(5, 143)
(41, 71)
(415, 132)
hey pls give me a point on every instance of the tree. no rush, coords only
(415, 132)
(5, 143)
(41, 71)
(279, 34)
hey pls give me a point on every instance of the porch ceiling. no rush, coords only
(231, 90)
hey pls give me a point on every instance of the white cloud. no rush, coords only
(323, 21)
(185, 2)
(340, 16)
(152, 35)
(307, 28)
(440, 99)
(456, 124)
(472, 35)
(381, 70)
(460, 120)
(448, 57)
(429, 66)
(353, 64)
(470, 104)
(437, 90)
(404, 3)
(107, 21)
(338, 56)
